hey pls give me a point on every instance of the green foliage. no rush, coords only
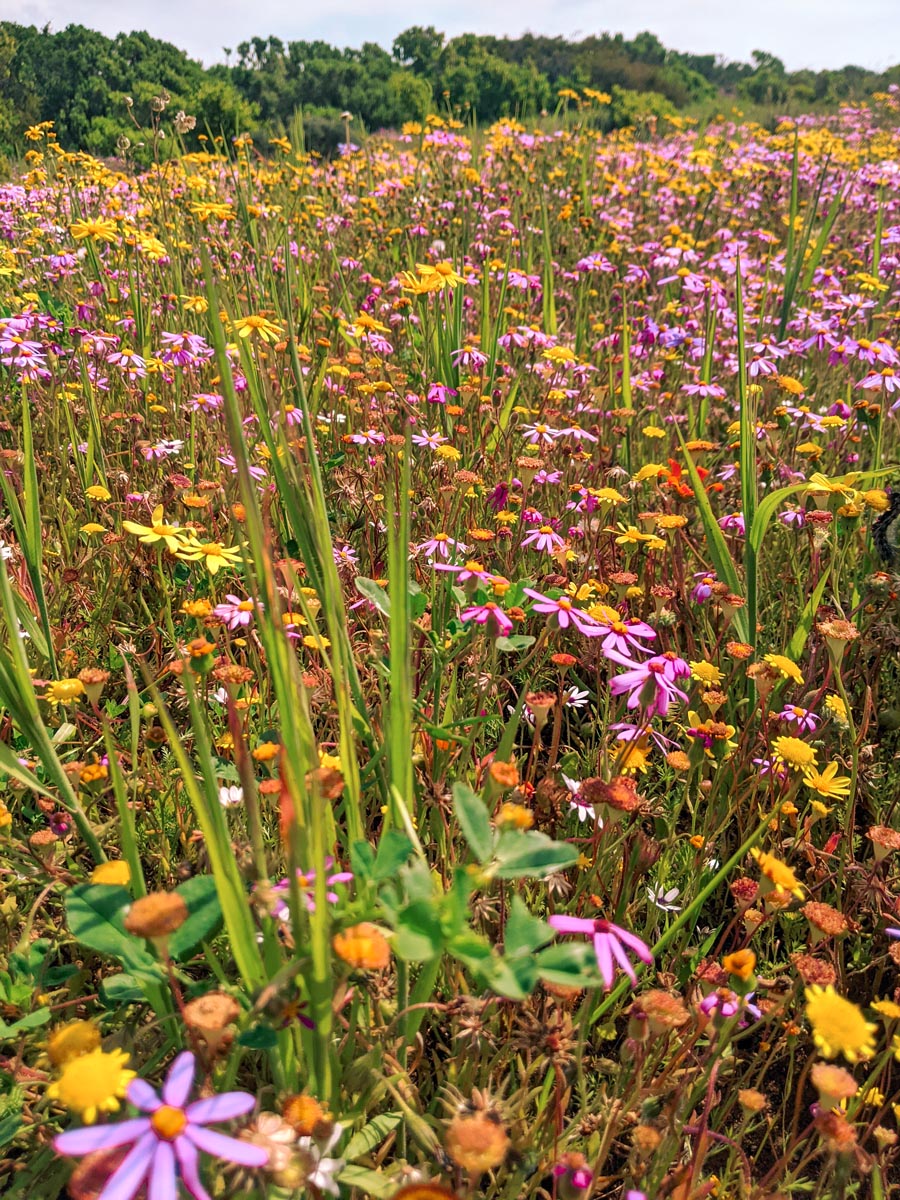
(80, 79)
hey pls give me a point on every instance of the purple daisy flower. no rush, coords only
(165, 1144)
(612, 944)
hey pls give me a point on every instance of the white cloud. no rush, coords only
(804, 33)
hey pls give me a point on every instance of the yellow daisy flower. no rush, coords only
(71, 1041)
(784, 667)
(828, 783)
(838, 1025)
(777, 876)
(93, 1083)
(794, 753)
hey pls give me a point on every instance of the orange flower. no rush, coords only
(363, 946)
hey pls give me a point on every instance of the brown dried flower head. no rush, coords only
(156, 915)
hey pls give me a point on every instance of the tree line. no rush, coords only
(97, 88)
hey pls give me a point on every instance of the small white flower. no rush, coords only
(231, 796)
(323, 1171)
(665, 901)
(585, 811)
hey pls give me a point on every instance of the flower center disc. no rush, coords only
(168, 1122)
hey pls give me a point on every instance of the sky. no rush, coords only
(803, 33)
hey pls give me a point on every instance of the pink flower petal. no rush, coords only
(132, 1172)
(220, 1108)
(100, 1137)
(163, 1183)
(179, 1081)
(227, 1148)
(604, 958)
(143, 1096)
(563, 924)
(621, 957)
(188, 1159)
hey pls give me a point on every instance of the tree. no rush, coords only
(419, 49)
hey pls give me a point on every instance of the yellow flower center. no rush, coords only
(168, 1122)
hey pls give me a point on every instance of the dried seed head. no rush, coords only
(477, 1142)
(211, 1013)
(156, 915)
(833, 1083)
(813, 970)
(304, 1114)
(662, 1010)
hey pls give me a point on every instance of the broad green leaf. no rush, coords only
(372, 1135)
(9, 1127)
(10, 764)
(569, 964)
(205, 915)
(32, 1020)
(260, 1037)
(119, 990)
(519, 641)
(369, 1183)
(524, 932)
(373, 592)
(418, 936)
(513, 979)
(473, 821)
(362, 860)
(531, 855)
(471, 949)
(95, 914)
(394, 849)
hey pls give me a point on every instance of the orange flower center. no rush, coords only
(168, 1122)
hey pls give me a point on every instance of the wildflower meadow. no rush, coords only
(450, 663)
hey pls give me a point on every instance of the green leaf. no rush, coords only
(32, 1020)
(515, 980)
(372, 1183)
(418, 936)
(797, 644)
(362, 860)
(204, 919)
(373, 592)
(9, 1127)
(119, 990)
(531, 854)
(9, 763)
(473, 821)
(260, 1037)
(569, 964)
(715, 540)
(372, 1135)
(471, 949)
(524, 932)
(393, 851)
(95, 914)
(519, 641)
